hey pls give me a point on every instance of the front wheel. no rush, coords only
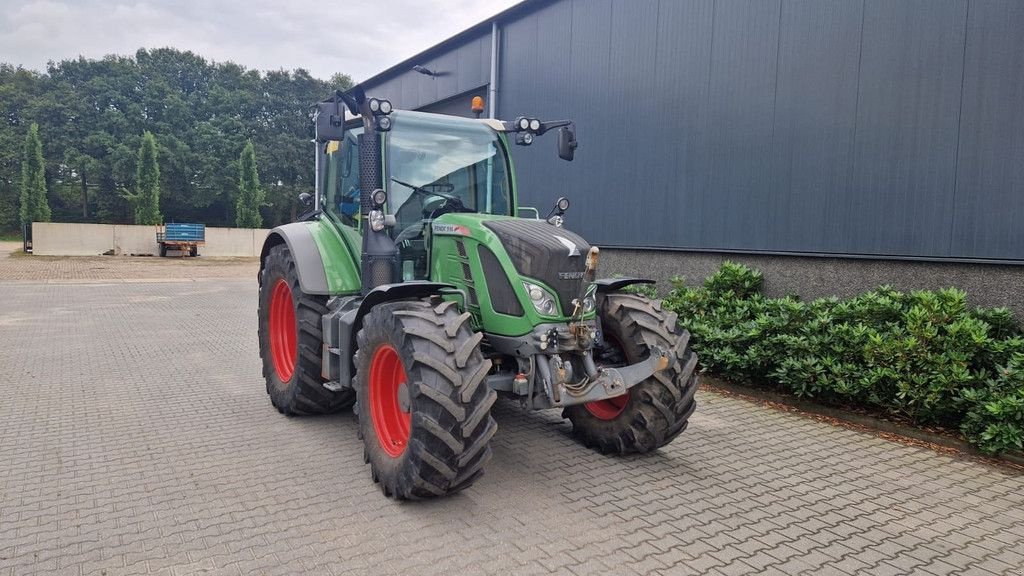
(655, 411)
(423, 406)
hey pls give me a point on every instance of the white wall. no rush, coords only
(63, 239)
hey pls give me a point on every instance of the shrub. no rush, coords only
(924, 355)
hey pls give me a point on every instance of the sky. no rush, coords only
(323, 37)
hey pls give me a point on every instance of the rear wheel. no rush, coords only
(424, 409)
(652, 413)
(291, 340)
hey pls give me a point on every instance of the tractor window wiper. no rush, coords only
(455, 200)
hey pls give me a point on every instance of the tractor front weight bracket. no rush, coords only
(606, 383)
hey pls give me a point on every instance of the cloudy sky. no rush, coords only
(323, 37)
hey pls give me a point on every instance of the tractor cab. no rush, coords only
(432, 165)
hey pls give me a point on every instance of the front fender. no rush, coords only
(607, 285)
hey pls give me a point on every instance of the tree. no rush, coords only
(92, 113)
(34, 207)
(147, 183)
(250, 195)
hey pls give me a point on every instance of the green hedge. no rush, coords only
(921, 355)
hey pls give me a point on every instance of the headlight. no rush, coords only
(589, 304)
(385, 107)
(542, 300)
(534, 124)
(523, 123)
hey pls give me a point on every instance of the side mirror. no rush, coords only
(330, 121)
(567, 143)
(306, 199)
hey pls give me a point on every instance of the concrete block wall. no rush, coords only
(815, 277)
(66, 239)
(233, 241)
(59, 239)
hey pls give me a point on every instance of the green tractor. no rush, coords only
(414, 291)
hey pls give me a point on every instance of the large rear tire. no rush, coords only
(291, 341)
(652, 413)
(424, 409)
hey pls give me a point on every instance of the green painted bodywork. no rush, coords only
(340, 246)
(446, 266)
(339, 249)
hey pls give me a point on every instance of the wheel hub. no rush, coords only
(390, 403)
(611, 408)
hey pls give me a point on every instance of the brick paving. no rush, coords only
(137, 438)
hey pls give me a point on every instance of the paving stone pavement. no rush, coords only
(137, 438)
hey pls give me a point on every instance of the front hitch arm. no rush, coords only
(609, 382)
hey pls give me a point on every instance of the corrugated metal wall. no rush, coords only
(874, 127)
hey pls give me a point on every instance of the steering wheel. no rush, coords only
(452, 200)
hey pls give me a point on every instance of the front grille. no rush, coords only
(537, 250)
(503, 298)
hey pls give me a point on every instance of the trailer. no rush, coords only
(180, 237)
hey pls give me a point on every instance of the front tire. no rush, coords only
(291, 341)
(655, 411)
(424, 409)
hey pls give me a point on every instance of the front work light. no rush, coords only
(376, 220)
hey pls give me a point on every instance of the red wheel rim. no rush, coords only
(608, 409)
(390, 421)
(611, 408)
(283, 331)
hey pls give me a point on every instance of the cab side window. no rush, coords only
(342, 184)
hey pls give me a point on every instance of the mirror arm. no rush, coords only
(545, 126)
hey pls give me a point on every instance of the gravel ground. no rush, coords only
(17, 266)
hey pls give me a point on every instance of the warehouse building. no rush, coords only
(834, 144)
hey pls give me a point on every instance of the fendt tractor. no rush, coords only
(414, 291)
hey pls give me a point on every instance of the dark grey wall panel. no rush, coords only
(744, 54)
(464, 67)
(460, 105)
(907, 123)
(989, 202)
(805, 126)
(633, 76)
(815, 116)
(677, 124)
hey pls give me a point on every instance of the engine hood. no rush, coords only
(553, 255)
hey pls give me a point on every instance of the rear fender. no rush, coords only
(309, 263)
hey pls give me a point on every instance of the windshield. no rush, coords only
(445, 157)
